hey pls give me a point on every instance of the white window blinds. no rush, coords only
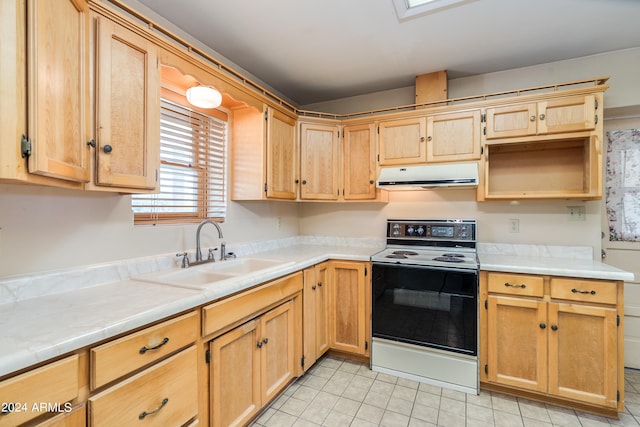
(192, 169)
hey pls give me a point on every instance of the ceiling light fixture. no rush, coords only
(204, 96)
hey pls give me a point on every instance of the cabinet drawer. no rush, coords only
(76, 418)
(595, 291)
(229, 310)
(122, 356)
(53, 385)
(165, 394)
(516, 284)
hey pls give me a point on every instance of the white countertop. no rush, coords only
(571, 261)
(38, 328)
(584, 268)
(48, 315)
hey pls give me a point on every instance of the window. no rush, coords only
(622, 185)
(192, 169)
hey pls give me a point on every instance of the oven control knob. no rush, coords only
(420, 231)
(396, 226)
(410, 230)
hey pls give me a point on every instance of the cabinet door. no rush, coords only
(309, 318)
(57, 103)
(319, 161)
(402, 142)
(281, 156)
(517, 336)
(235, 376)
(511, 121)
(127, 108)
(322, 309)
(571, 114)
(315, 314)
(359, 162)
(454, 136)
(583, 353)
(349, 307)
(276, 350)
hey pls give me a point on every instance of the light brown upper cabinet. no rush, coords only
(359, 169)
(402, 141)
(559, 115)
(57, 94)
(127, 108)
(319, 161)
(281, 156)
(548, 148)
(454, 136)
(264, 155)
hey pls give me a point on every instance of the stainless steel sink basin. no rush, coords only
(206, 275)
(242, 265)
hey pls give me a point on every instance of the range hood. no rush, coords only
(460, 175)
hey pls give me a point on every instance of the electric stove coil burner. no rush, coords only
(404, 253)
(455, 255)
(445, 258)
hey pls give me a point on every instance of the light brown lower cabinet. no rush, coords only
(255, 349)
(166, 394)
(53, 385)
(76, 417)
(553, 338)
(251, 364)
(315, 313)
(350, 301)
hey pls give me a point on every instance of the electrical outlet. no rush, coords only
(576, 213)
(514, 225)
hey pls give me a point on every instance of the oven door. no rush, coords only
(427, 306)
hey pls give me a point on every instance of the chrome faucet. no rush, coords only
(198, 250)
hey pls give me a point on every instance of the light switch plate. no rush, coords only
(576, 213)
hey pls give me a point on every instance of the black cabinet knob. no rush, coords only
(107, 148)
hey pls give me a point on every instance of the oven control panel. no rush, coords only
(450, 230)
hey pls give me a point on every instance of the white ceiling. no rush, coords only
(319, 50)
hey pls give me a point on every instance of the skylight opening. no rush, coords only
(408, 9)
(416, 3)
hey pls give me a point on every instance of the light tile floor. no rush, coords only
(338, 392)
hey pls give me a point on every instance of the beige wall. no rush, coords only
(541, 222)
(621, 66)
(45, 228)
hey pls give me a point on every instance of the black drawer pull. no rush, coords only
(153, 411)
(582, 291)
(509, 285)
(144, 349)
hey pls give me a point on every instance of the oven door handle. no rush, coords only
(424, 267)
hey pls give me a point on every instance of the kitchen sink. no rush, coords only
(204, 276)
